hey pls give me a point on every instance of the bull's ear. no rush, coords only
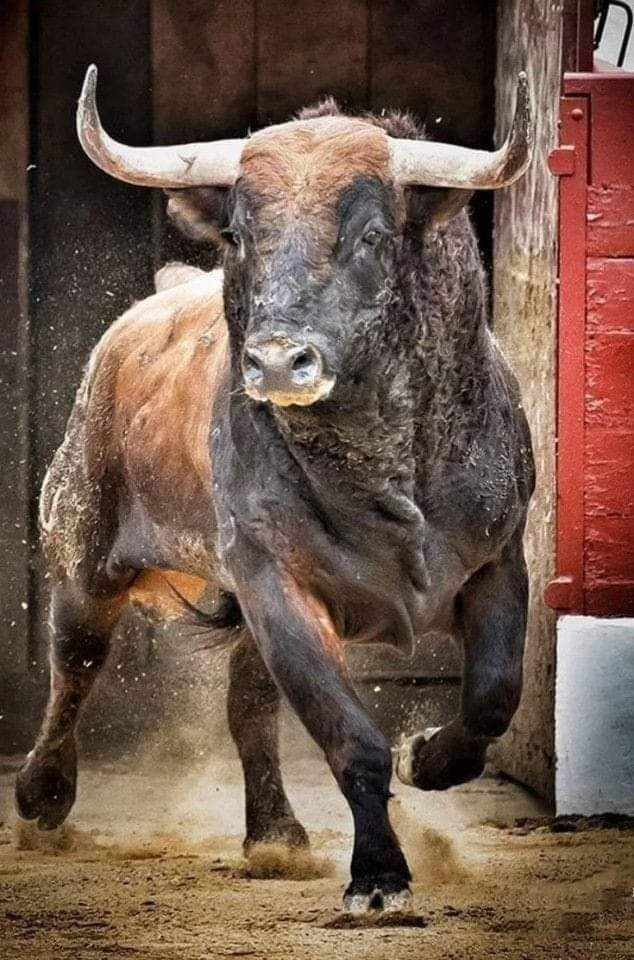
(433, 207)
(201, 213)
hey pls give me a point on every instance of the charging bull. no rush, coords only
(327, 434)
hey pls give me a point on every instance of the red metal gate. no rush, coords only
(595, 404)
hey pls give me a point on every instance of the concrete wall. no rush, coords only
(594, 716)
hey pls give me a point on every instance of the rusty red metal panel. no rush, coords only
(595, 505)
(611, 219)
(609, 361)
(612, 124)
(609, 472)
(610, 551)
(610, 291)
(610, 599)
(567, 590)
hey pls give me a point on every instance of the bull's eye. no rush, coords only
(231, 235)
(372, 238)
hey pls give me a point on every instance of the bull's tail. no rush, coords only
(221, 626)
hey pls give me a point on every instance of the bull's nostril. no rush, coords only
(252, 368)
(305, 367)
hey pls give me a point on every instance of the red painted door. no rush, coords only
(595, 416)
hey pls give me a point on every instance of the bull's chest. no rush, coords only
(369, 571)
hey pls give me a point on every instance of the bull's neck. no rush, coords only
(424, 388)
(362, 438)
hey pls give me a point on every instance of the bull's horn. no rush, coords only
(191, 165)
(425, 163)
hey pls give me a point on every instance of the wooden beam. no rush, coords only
(14, 352)
(525, 305)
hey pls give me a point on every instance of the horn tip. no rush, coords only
(90, 82)
(87, 116)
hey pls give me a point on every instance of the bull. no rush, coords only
(326, 433)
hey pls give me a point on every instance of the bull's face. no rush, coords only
(313, 240)
(312, 212)
(311, 227)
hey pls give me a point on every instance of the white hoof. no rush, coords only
(356, 904)
(405, 759)
(401, 902)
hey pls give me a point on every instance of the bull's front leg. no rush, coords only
(303, 653)
(491, 621)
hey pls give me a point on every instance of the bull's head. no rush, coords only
(312, 213)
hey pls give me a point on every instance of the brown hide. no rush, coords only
(169, 351)
(299, 169)
(142, 419)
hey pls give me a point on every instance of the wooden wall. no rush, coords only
(14, 359)
(525, 305)
(225, 67)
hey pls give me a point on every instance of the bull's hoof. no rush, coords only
(46, 787)
(440, 761)
(377, 896)
(285, 830)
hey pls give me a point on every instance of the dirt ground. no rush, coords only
(151, 867)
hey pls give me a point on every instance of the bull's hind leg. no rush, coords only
(491, 620)
(253, 706)
(80, 632)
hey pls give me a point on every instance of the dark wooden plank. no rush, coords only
(14, 116)
(15, 593)
(437, 60)
(309, 50)
(14, 358)
(90, 235)
(203, 69)
(577, 34)
(203, 87)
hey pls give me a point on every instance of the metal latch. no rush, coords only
(561, 161)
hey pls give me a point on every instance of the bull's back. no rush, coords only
(138, 437)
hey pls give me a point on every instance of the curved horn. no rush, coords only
(425, 163)
(190, 165)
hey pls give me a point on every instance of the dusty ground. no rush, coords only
(151, 868)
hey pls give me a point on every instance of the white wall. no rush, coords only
(594, 716)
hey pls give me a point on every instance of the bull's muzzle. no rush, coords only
(285, 372)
